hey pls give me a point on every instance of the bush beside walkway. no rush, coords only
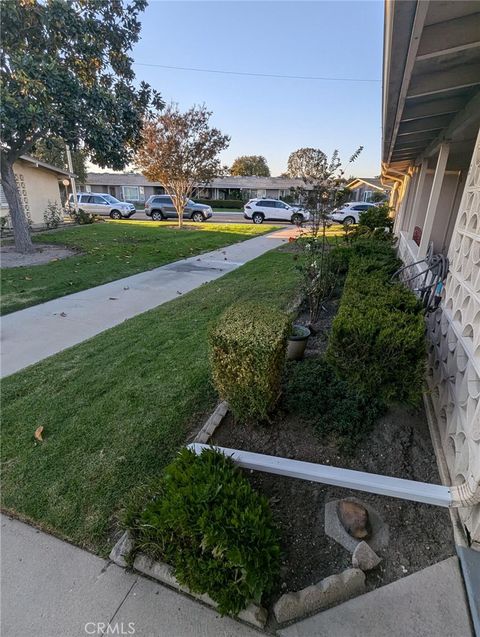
(116, 408)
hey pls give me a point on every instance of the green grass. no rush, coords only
(109, 251)
(116, 408)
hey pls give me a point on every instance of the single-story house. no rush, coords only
(431, 157)
(368, 189)
(136, 188)
(39, 185)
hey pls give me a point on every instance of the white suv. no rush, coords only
(259, 210)
(101, 203)
(350, 212)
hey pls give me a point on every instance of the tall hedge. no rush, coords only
(221, 204)
(377, 341)
(248, 356)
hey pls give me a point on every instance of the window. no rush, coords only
(133, 193)
(280, 204)
(95, 199)
(367, 195)
(163, 200)
(361, 208)
(266, 204)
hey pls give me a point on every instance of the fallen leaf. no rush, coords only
(113, 298)
(38, 433)
(179, 292)
(28, 278)
(63, 314)
(126, 287)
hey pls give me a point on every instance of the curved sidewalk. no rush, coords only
(28, 336)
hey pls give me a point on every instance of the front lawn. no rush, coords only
(110, 251)
(116, 408)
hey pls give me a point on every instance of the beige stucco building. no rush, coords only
(39, 184)
(431, 158)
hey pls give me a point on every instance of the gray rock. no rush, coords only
(365, 557)
(333, 528)
(328, 592)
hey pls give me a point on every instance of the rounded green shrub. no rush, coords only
(314, 392)
(247, 349)
(216, 531)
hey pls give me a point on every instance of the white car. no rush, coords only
(260, 210)
(101, 203)
(350, 212)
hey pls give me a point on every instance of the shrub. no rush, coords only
(53, 215)
(4, 224)
(236, 204)
(213, 528)
(83, 218)
(377, 341)
(319, 273)
(248, 356)
(377, 218)
(314, 392)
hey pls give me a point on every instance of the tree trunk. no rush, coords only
(21, 230)
(180, 217)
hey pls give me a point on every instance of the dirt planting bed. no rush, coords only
(398, 446)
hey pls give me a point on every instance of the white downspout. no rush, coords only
(464, 495)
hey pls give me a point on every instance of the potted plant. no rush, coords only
(297, 342)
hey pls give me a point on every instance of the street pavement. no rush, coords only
(56, 325)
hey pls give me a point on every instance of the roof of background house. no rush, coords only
(43, 164)
(374, 182)
(137, 179)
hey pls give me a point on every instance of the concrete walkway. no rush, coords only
(53, 589)
(429, 603)
(30, 335)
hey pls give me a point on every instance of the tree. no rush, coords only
(323, 187)
(66, 73)
(307, 164)
(54, 151)
(250, 165)
(180, 150)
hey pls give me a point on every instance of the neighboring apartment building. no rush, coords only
(135, 188)
(431, 158)
(39, 184)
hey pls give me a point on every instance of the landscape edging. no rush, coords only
(254, 614)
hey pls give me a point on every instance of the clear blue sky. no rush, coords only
(272, 116)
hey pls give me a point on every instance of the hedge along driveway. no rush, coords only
(110, 251)
(116, 408)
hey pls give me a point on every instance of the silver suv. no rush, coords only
(101, 203)
(160, 207)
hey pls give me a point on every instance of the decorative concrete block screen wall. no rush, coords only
(454, 360)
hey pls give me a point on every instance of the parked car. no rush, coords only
(160, 207)
(260, 210)
(350, 212)
(101, 203)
